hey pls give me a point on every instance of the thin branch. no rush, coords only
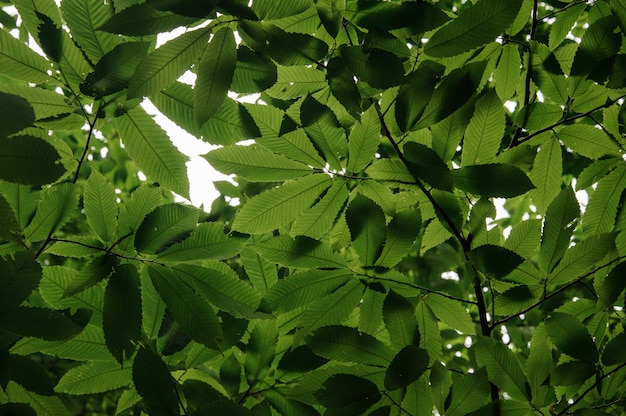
(556, 292)
(92, 125)
(420, 185)
(529, 72)
(424, 289)
(567, 120)
(591, 388)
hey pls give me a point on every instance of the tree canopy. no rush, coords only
(356, 265)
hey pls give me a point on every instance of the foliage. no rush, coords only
(357, 265)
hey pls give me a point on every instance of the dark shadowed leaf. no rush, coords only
(406, 367)
(215, 73)
(16, 112)
(494, 260)
(141, 20)
(154, 384)
(346, 344)
(496, 179)
(426, 165)
(475, 26)
(345, 394)
(29, 160)
(571, 337)
(122, 312)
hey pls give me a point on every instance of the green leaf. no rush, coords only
(399, 318)
(571, 337)
(42, 405)
(230, 375)
(18, 278)
(256, 164)
(495, 179)
(279, 206)
(141, 202)
(29, 160)
(426, 164)
(406, 367)
(453, 92)
(207, 242)
(614, 350)
(558, 228)
(90, 274)
(294, 48)
(302, 252)
(345, 344)
(122, 312)
(83, 18)
(494, 260)
(230, 124)
(100, 206)
(319, 219)
(390, 170)
(464, 386)
(503, 368)
(45, 103)
(331, 14)
(322, 126)
(18, 112)
(413, 97)
(333, 309)
(161, 67)
(56, 205)
(166, 225)
(580, 258)
(305, 287)
(484, 132)
(599, 216)
(430, 336)
(476, 25)
(153, 151)
(41, 323)
(599, 42)
(142, 20)
(451, 312)
(402, 233)
(536, 116)
(347, 395)
(546, 175)
(588, 141)
(260, 350)
(155, 384)
(508, 71)
(221, 287)
(611, 286)
(572, 372)
(296, 81)
(254, 72)
(343, 85)
(94, 377)
(18, 61)
(263, 274)
(366, 221)
(192, 313)
(215, 73)
(114, 70)
(364, 140)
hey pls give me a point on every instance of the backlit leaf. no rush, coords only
(155, 154)
(587, 140)
(18, 61)
(29, 160)
(346, 344)
(100, 206)
(571, 337)
(256, 164)
(279, 206)
(484, 132)
(94, 377)
(141, 20)
(161, 67)
(155, 384)
(496, 179)
(215, 73)
(475, 26)
(546, 175)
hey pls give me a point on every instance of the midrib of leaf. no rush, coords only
(348, 288)
(22, 62)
